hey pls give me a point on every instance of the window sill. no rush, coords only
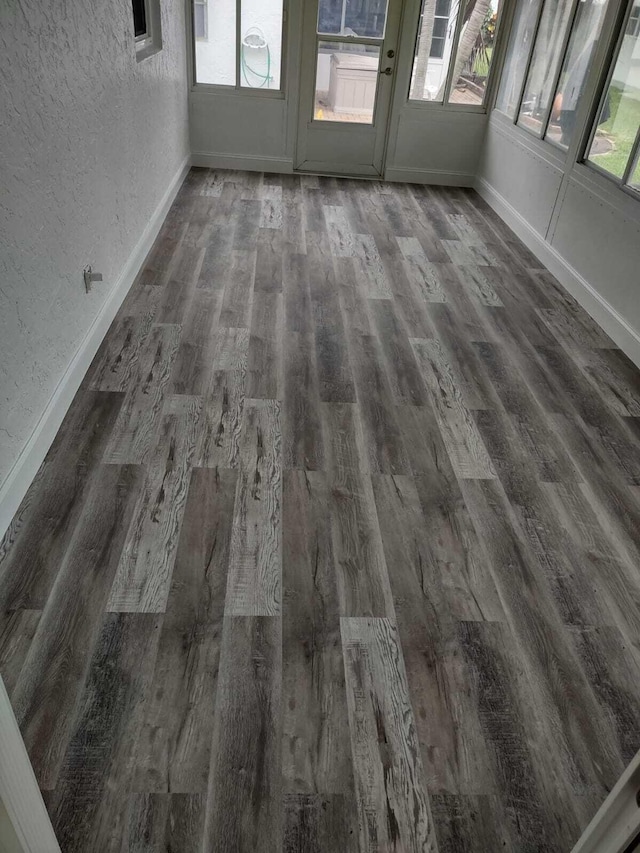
(235, 92)
(145, 49)
(439, 106)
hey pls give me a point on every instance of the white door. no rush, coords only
(348, 63)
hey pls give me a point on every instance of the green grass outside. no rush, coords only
(621, 127)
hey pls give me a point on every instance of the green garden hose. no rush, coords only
(246, 67)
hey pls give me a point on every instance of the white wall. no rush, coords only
(90, 139)
(583, 227)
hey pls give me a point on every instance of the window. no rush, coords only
(247, 56)
(518, 50)
(547, 64)
(146, 28)
(454, 49)
(575, 69)
(474, 52)
(200, 19)
(615, 146)
(440, 28)
(139, 19)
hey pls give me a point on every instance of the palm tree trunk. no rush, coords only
(424, 49)
(470, 32)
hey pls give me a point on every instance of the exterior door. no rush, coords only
(348, 64)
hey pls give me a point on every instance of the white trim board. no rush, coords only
(429, 176)
(19, 790)
(33, 453)
(246, 162)
(613, 323)
(617, 821)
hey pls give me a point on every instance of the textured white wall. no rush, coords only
(89, 142)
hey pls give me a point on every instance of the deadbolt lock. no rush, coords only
(391, 54)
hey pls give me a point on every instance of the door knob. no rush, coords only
(387, 71)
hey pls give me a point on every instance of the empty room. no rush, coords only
(320, 426)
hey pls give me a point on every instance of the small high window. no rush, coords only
(146, 27)
(139, 19)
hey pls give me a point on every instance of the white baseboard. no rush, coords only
(26, 466)
(19, 792)
(613, 323)
(429, 176)
(248, 163)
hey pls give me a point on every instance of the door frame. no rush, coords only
(379, 129)
(19, 791)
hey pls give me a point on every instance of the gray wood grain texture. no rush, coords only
(337, 546)
(316, 742)
(173, 749)
(254, 585)
(60, 654)
(143, 578)
(392, 803)
(245, 784)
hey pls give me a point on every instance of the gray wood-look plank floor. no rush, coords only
(338, 546)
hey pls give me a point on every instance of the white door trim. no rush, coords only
(19, 790)
(617, 821)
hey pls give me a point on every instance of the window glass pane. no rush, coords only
(475, 51)
(619, 116)
(200, 20)
(216, 57)
(346, 82)
(440, 28)
(544, 64)
(584, 35)
(515, 63)
(433, 49)
(261, 45)
(352, 17)
(139, 18)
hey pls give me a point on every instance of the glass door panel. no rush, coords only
(346, 82)
(366, 18)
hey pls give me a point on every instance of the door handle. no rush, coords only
(387, 71)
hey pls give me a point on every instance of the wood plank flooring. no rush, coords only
(338, 547)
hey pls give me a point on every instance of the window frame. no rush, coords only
(237, 89)
(150, 42)
(502, 20)
(592, 128)
(543, 139)
(205, 5)
(544, 127)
